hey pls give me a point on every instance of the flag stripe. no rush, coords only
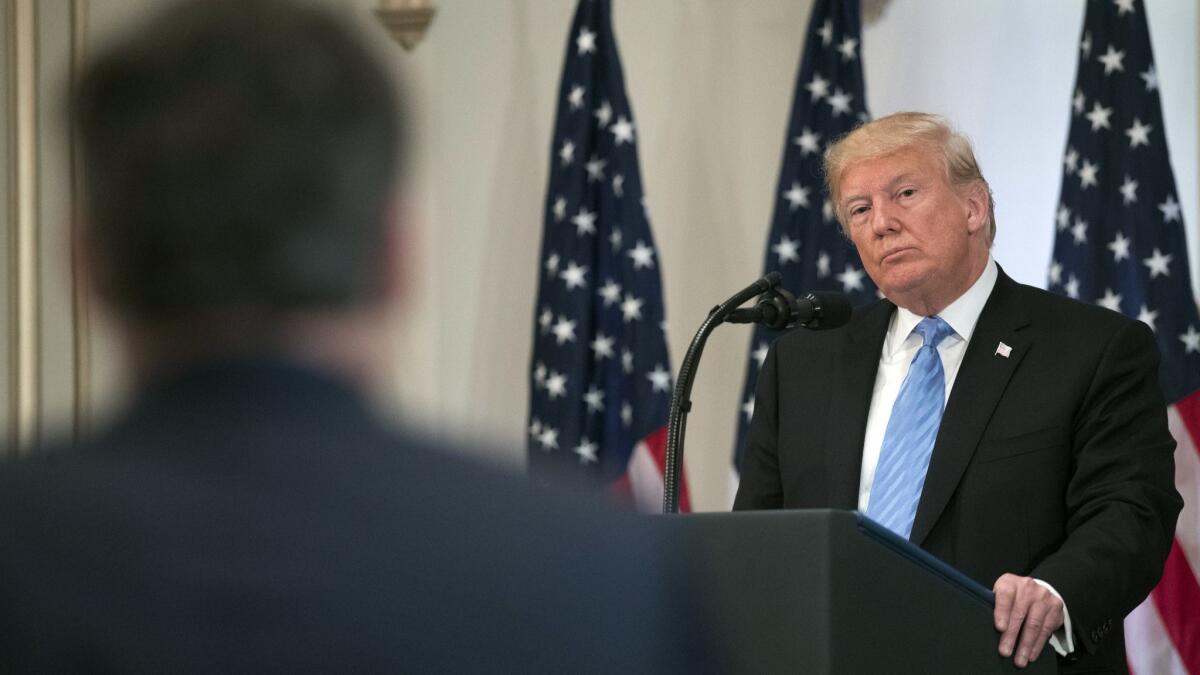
(1176, 598)
(1149, 650)
(1187, 479)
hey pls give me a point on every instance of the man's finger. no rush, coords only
(1054, 620)
(1006, 594)
(1016, 618)
(1031, 630)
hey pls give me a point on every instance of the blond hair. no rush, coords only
(904, 130)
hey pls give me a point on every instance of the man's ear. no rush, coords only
(978, 201)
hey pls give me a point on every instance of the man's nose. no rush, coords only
(883, 218)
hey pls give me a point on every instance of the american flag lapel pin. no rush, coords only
(1003, 350)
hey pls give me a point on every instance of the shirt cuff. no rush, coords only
(1062, 639)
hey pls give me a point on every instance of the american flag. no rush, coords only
(1120, 243)
(806, 244)
(600, 377)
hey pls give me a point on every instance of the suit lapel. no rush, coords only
(981, 381)
(850, 402)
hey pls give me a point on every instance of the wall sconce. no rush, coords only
(406, 20)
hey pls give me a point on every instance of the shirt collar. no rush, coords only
(962, 314)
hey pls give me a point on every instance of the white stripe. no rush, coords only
(1147, 646)
(1187, 481)
(645, 480)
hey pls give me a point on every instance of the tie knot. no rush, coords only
(933, 330)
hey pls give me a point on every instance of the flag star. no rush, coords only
(1071, 159)
(585, 222)
(622, 131)
(1112, 60)
(535, 428)
(626, 414)
(564, 330)
(1170, 209)
(1124, 6)
(1120, 247)
(840, 102)
(660, 378)
(1085, 45)
(760, 354)
(567, 153)
(1147, 317)
(575, 98)
(574, 276)
(797, 196)
(586, 42)
(618, 185)
(1191, 340)
(552, 262)
(1079, 231)
(614, 238)
(560, 209)
(626, 361)
(808, 141)
(1055, 272)
(1099, 116)
(539, 375)
(586, 451)
(1110, 300)
(1150, 77)
(818, 87)
(786, 249)
(1072, 287)
(1064, 217)
(611, 292)
(748, 408)
(1129, 190)
(549, 439)
(602, 345)
(546, 319)
(1087, 174)
(851, 279)
(847, 47)
(1078, 102)
(594, 398)
(595, 168)
(642, 255)
(631, 308)
(827, 211)
(823, 265)
(826, 32)
(603, 114)
(1158, 263)
(1139, 134)
(556, 385)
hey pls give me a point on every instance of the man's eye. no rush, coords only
(908, 192)
(858, 210)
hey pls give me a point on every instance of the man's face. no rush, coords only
(920, 239)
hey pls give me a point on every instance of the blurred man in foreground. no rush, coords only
(1050, 475)
(248, 513)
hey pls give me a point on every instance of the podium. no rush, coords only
(827, 591)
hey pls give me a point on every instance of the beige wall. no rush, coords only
(710, 83)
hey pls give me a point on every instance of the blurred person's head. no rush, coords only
(909, 193)
(240, 162)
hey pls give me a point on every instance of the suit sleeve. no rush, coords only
(760, 486)
(1121, 500)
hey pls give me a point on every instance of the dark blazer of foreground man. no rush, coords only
(249, 513)
(1053, 460)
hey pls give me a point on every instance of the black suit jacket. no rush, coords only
(1054, 462)
(254, 517)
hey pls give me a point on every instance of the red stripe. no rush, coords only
(657, 443)
(1189, 411)
(1177, 598)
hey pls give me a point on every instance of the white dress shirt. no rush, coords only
(900, 346)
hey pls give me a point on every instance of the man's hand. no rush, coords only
(1026, 610)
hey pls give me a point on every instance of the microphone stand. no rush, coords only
(681, 403)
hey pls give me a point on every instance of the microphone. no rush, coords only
(780, 309)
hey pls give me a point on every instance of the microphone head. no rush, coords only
(830, 310)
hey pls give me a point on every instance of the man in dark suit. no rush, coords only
(1018, 435)
(249, 513)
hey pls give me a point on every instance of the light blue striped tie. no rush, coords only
(911, 432)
